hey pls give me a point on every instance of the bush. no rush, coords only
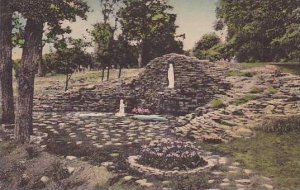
(243, 100)
(217, 103)
(256, 90)
(237, 73)
(171, 155)
(282, 124)
(272, 90)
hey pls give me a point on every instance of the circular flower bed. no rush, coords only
(171, 155)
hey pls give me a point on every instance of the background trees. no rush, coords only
(70, 56)
(148, 23)
(261, 30)
(209, 47)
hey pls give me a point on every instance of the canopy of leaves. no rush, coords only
(259, 30)
(51, 11)
(150, 24)
(209, 47)
(70, 56)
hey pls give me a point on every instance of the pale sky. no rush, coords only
(194, 18)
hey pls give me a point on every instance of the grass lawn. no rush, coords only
(272, 155)
(287, 67)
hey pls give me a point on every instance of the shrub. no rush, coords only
(171, 155)
(237, 73)
(217, 103)
(256, 90)
(243, 100)
(282, 124)
(272, 90)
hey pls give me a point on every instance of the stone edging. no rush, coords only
(132, 160)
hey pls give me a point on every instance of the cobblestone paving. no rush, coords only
(99, 130)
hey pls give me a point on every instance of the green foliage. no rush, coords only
(217, 103)
(281, 125)
(238, 73)
(70, 56)
(103, 38)
(256, 90)
(272, 90)
(151, 26)
(243, 100)
(273, 155)
(210, 47)
(266, 30)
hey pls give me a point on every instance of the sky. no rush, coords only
(194, 18)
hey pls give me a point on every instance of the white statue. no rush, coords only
(121, 112)
(171, 76)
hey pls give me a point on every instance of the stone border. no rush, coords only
(132, 160)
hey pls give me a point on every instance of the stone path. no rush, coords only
(268, 96)
(99, 130)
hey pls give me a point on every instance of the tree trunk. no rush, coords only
(8, 115)
(30, 59)
(120, 72)
(141, 55)
(41, 66)
(103, 72)
(68, 77)
(108, 69)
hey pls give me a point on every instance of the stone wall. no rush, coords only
(196, 83)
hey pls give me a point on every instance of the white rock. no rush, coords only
(70, 170)
(71, 158)
(45, 179)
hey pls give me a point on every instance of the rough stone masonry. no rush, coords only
(196, 83)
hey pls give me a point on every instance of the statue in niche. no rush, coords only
(171, 77)
(121, 112)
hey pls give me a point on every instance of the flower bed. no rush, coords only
(171, 155)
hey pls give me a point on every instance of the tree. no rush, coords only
(102, 36)
(256, 29)
(7, 98)
(69, 57)
(209, 47)
(37, 13)
(143, 21)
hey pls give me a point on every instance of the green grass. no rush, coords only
(293, 68)
(272, 155)
(217, 103)
(272, 90)
(243, 100)
(238, 73)
(256, 90)
(253, 65)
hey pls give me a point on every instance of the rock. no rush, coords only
(144, 183)
(45, 179)
(71, 158)
(223, 161)
(243, 181)
(128, 178)
(70, 170)
(224, 185)
(248, 172)
(268, 186)
(244, 132)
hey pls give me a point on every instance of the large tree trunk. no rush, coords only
(8, 115)
(30, 59)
